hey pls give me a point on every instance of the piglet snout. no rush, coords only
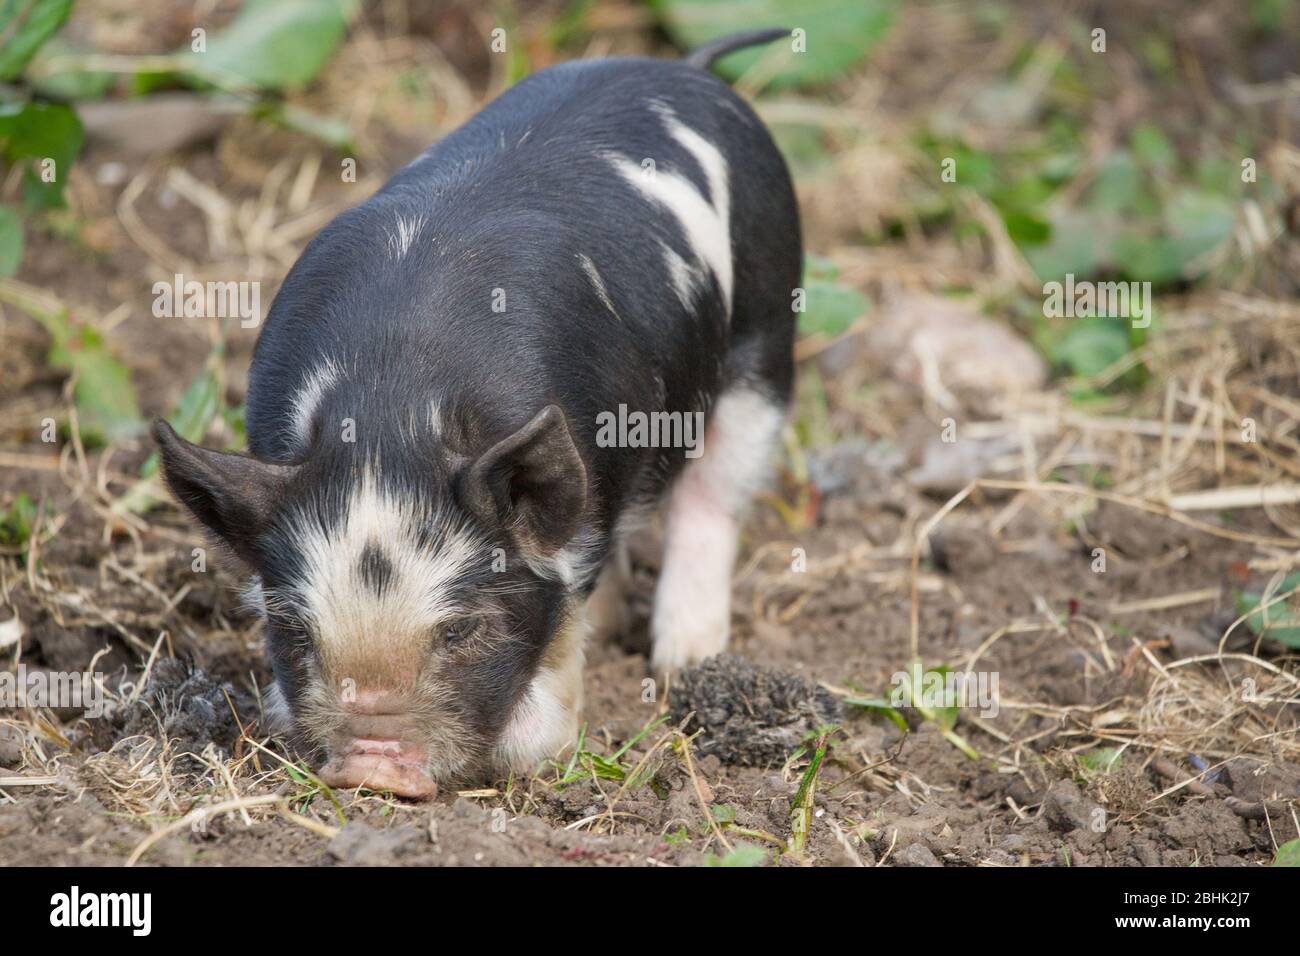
(375, 748)
(377, 771)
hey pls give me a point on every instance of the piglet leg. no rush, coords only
(692, 607)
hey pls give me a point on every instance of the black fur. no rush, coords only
(376, 571)
(509, 202)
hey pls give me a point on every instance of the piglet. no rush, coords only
(572, 311)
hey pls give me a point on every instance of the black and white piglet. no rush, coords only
(437, 487)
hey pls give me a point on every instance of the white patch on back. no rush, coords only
(707, 225)
(685, 279)
(399, 242)
(313, 389)
(597, 282)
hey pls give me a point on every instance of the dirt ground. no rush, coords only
(1027, 799)
(1138, 721)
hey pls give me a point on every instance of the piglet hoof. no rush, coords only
(681, 642)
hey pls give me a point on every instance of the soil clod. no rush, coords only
(191, 708)
(750, 715)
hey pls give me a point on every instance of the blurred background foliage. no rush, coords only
(1062, 165)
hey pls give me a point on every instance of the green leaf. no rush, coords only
(197, 409)
(198, 406)
(11, 241)
(803, 145)
(976, 168)
(1158, 52)
(830, 308)
(275, 44)
(234, 419)
(16, 522)
(104, 397)
(879, 706)
(1281, 621)
(71, 83)
(1269, 15)
(107, 409)
(677, 837)
(1074, 246)
(1153, 148)
(606, 769)
(1193, 224)
(1027, 229)
(1199, 221)
(1101, 760)
(1154, 259)
(152, 81)
(570, 24)
(801, 807)
(945, 717)
(839, 34)
(24, 26)
(1091, 345)
(38, 132)
(819, 267)
(745, 854)
(809, 779)
(1288, 854)
(1118, 184)
(333, 132)
(959, 742)
(917, 692)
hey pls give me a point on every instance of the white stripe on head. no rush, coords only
(369, 593)
(319, 381)
(707, 225)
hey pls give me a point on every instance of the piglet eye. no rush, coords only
(457, 631)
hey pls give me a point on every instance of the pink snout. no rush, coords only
(375, 750)
(379, 765)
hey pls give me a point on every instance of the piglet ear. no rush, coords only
(233, 495)
(532, 482)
